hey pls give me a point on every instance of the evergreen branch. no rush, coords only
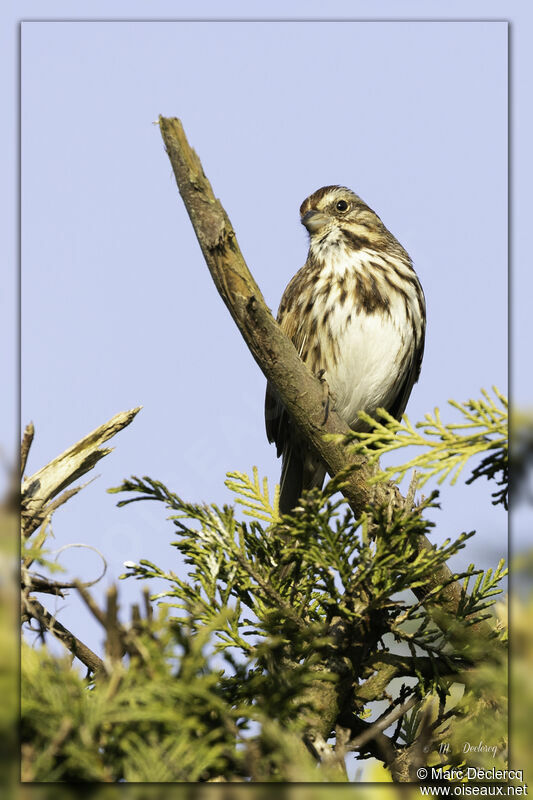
(446, 448)
(485, 587)
(214, 536)
(253, 497)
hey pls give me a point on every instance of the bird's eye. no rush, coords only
(342, 205)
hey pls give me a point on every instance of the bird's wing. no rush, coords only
(411, 376)
(277, 421)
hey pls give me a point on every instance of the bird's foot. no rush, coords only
(328, 400)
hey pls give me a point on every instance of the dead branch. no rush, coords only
(31, 608)
(37, 505)
(39, 490)
(27, 439)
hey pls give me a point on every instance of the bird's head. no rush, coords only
(336, 208)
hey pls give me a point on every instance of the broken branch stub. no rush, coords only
(38, 490)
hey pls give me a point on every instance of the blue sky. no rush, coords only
(118, 308)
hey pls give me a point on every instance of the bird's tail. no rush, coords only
(300, 470)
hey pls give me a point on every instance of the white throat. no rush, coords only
(331, 249)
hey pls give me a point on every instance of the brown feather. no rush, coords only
(356, 272)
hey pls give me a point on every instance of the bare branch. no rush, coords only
(27, 439)
(30, 524)
(391, 665)
(382, 724)
(91, 604)
(32, 608)
(39, 489)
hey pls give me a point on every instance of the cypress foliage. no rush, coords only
(280, 648)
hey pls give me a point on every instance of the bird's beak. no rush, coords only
(314, 220)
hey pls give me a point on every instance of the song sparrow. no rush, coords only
(356, 314)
